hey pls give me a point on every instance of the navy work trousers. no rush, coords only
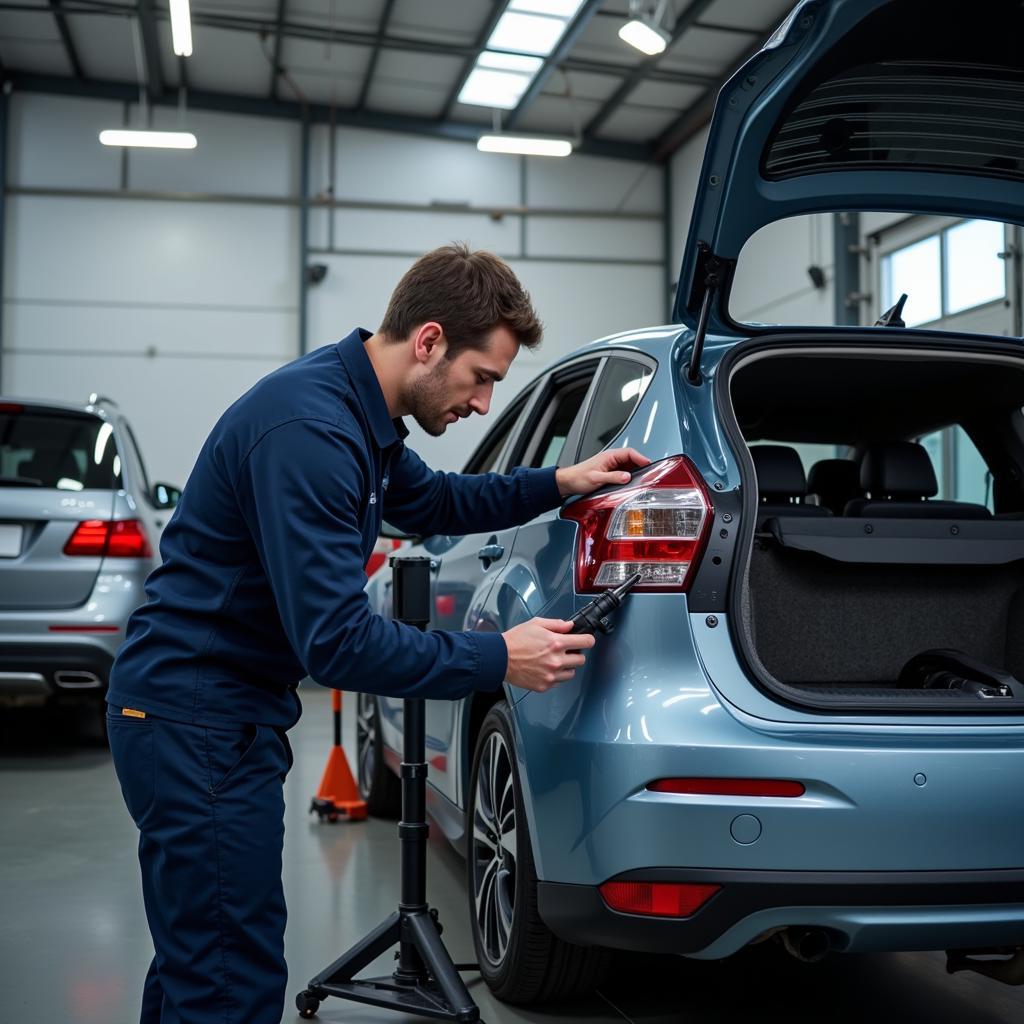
(209, 806)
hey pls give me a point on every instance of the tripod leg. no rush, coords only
(362, 954)
(434, 955)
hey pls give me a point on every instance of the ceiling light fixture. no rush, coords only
(644, 29)
(150, 139)
(524, 145)
(526, 33)
(181, 28)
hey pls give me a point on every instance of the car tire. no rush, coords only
(378, 784)
(521, 960)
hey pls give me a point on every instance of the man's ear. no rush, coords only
(429, 342)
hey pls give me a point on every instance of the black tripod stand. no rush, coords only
(425, 982)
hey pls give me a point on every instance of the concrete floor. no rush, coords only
(74, 945)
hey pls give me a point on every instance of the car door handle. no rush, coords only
(490, 553)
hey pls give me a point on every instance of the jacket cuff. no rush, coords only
(493, 660)
(541, 490)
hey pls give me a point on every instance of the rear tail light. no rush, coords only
(729, 787)
(657, 526)
(120, 538)
(657, 899)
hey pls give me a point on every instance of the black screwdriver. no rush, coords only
(593, 617)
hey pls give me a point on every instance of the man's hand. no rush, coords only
(605, 468)
(542, 653)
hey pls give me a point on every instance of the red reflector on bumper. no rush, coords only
(85, 629)
(657, 899)
(729, 787)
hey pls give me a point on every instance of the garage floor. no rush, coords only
(75, 946)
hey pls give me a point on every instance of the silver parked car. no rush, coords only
(79, 531)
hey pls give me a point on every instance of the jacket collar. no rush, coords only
(366, 387)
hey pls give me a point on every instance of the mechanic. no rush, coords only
(262, 583)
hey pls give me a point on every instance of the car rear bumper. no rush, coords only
(34, 672)
(861, 911)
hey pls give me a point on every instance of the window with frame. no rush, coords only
(956, 269)
(619, 390)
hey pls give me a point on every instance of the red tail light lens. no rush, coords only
(121, 538)
(656, 526)
(657, 899)
(729, 787)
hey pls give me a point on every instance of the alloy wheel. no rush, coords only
(366, 742)
(494, 848)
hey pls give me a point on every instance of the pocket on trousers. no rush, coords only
(131, 748)
(226, 753)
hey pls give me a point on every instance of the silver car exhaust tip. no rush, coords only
(1005, 964)
(808, 945)
(68, 679)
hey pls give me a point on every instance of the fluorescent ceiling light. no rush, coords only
(556, 8)
(648, 38)
(526, 33)
(488, 88)
(181, 28)
(155, 140)
(523, 144)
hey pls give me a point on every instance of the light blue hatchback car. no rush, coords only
(808, 723)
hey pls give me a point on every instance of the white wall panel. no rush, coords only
(771, 279)
(235, 155)
(582, 302)
(171, 403)
(685, 170)
(608, 238)
(55, 142)
(386, 166)
(591, 182)
(103, 328)
(420, 232)
(152, 251)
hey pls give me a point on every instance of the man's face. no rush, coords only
(447, 390)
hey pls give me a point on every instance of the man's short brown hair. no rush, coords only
(468, 293)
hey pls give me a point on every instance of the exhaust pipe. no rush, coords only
(809, 945)
(1009, 969)
(67, 679)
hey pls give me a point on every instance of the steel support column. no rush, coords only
(846, 264)
(304, 237)
(4, 106)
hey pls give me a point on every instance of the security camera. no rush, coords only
(316, 272)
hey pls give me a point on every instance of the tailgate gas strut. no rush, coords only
(714, 270)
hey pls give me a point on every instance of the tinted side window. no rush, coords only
(556, 424)
(618, 392)
(491, 450)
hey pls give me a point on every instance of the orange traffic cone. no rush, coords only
(338, 795)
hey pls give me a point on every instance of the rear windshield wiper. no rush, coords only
(20, 481)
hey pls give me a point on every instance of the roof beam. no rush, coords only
(275, 69)
(65, 37)
(680, 131)
(382, 29)
(150, 49)
(685, 20)
(481, 41)
(316, 112)
(553, 60)
(596, 67)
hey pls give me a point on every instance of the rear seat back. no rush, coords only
(781, 483)
(900, 479)
(834, 482)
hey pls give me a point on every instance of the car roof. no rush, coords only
(105, 408)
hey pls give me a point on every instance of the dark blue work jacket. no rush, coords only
(262, 576)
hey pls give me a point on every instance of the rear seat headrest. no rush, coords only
(780, 473)
(834, 476)
(898, 469)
